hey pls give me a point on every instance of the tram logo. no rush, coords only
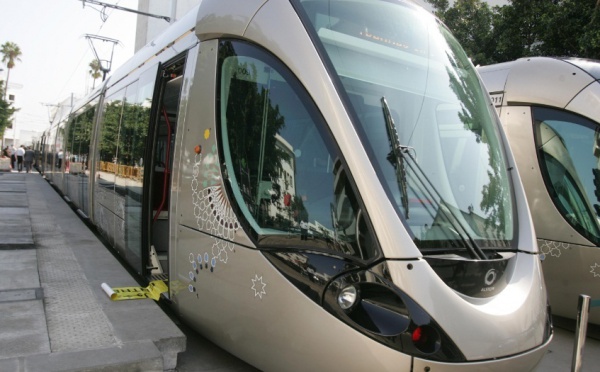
(490, 277)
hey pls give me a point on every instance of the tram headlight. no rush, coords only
(373, 305)
(347, 297)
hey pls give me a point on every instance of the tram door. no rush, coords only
(158, 180)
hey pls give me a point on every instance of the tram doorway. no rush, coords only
(160, 153)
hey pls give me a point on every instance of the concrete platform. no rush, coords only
(54, 315)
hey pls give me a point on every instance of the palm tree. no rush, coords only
(10, 54)
(95, 71)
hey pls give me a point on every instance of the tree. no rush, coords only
(10, 54)
(523, 28)
(589, 41)
(6, 112)
(95, 69)
(572, 29)
(470, 22)
(520, 27)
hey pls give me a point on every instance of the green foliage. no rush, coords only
(110, 130)
(123, 134)
(79, 134)
(6, 111)
(251, 117)
(95, 70)
(10, 54)
(572, 29)
(523, 28)
(470, 22)
(133, 133)
(518, 28)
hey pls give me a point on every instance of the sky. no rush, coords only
(55, 52)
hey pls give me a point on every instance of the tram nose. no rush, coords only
(375, 306)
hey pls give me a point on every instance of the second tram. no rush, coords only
(550, 110)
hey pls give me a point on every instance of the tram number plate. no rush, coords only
(497, 99)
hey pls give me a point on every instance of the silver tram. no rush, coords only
(324, 184)
(550, 110)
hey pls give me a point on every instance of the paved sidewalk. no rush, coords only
(54, 315)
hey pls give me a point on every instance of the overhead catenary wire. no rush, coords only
(85, 55)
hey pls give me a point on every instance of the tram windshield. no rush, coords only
(568, 150)
(424, 119)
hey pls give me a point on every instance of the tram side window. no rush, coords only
(60, 146)
(80, 152)
(569, 152)
(109, 139)
(82, 140)
(80, 132)
(50, 151)
(285, 171)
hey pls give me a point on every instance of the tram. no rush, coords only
(323, 184)
(550, 110)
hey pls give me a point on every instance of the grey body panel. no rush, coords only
(572, 262)
(217, 272)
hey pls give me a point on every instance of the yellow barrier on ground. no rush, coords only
(152, 291)
(126, 171)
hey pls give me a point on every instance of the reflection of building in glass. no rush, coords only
(596, 149)
(279, 196)
(281, 189)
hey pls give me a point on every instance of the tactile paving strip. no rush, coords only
(74, 317)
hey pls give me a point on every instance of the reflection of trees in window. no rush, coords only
(70, 140)
(110, 130)
(282, 161)
(133, 132)
(253, 123)
(79, 135)
(475, 117)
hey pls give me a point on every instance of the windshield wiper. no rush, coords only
(399, 159)
(395, 156)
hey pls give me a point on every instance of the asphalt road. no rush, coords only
(202, 355)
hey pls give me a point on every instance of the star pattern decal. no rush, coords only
(213, 214)
(258, 286)
(552, 248)
(595, 270)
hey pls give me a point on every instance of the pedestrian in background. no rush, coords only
(28, 158)
(20, 152)
(13, 157)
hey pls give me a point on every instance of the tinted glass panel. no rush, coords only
(130, 159)
(424, 118)
(78, 147)
(59, 166)
(106, 206)
(569, 150)
(287, 176)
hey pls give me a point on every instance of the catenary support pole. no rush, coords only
(583, 309)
